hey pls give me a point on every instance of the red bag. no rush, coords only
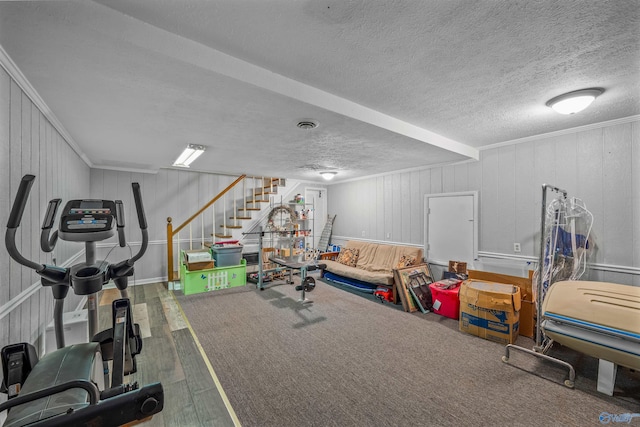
(383, 294)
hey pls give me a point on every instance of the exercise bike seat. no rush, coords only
(75, 362)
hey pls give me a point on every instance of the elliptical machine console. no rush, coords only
(27, 380)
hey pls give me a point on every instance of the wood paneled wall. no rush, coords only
(29, 144)
(601, 166)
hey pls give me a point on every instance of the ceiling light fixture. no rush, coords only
(573, 102)
(328, 175)
(189, 154)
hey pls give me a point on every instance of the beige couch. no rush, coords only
(375, 261)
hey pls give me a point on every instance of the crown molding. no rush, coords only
(562, 132)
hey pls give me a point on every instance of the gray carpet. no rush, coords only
(348, 361)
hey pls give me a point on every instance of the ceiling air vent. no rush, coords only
(307, 124)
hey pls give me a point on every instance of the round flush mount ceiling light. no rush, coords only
(573, 102)
(328, 175)
(307, 124)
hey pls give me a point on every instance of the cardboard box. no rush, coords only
(197, 259)
(285, 252)
(445, 298)
(528, 307)
(197, 255)
(490, 310)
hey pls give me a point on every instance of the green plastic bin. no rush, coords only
(213, 279)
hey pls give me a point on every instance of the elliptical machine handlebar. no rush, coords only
(50, 273)
(20, 202)
(48, 243)
(142, 221)
(120, 271)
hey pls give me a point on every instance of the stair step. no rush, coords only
(266, 192)
(249, 209)
(239, 217)
(231, 226)
(223, 236)
(257, 201)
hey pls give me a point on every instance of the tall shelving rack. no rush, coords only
(289, 229)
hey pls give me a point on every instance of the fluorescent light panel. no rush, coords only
(189, 154)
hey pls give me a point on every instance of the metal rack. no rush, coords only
(541, 347)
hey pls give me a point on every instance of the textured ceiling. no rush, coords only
(394, 84)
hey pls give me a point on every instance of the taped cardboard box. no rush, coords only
(490, 310)
(527, 327)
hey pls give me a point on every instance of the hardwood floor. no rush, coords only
(171, 355)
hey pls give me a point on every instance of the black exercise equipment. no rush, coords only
(70, 386)
(308, 284)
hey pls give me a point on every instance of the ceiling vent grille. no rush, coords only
(307, 124)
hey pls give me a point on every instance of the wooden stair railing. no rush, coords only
(240, 213)
(266, 186)
(171, 232)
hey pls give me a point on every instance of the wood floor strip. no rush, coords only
(108, 296)
(208, 402)
(141, 317)
(173, 313)
(213, 374)
(182, 411)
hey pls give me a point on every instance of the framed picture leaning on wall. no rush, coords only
(412, 284)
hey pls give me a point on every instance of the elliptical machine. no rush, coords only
(70, 386)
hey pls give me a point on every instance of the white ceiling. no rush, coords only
(394, 84)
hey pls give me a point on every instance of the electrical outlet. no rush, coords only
(362, 233)
(388, 235)
(516, 248)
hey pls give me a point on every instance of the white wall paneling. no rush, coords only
(29, 144)
(600, 165)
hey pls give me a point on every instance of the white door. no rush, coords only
(317, 196)
(451, 227)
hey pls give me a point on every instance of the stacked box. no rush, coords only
(527, 318)
(490, 310)
(197, 259)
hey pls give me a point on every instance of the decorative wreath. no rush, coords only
(275, 211)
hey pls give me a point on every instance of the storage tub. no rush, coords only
(227, 255)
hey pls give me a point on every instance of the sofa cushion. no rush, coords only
(377, 278)
(382, 258)
(367, 252)
(348, 256)
(409, 251)
(385, 259)
(406, 261)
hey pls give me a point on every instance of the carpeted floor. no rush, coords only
(348, 361)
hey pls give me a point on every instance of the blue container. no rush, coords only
(227, 255)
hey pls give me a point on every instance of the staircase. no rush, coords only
(258, 198)
(239, 208)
